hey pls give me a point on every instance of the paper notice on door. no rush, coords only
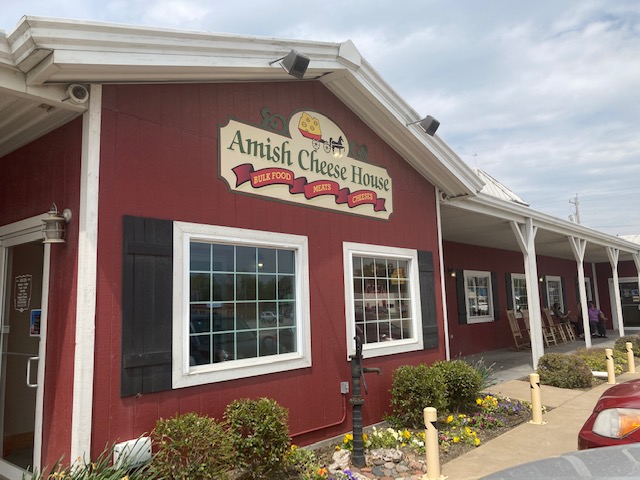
(22, 292)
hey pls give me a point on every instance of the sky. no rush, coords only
(544, 96)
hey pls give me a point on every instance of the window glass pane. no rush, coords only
(266, 260)
(268, 315)
(268, 342)
(287, 340)
(266, 287)
(246, 316)
(200, 318)
(245, 287)
(286, 287)
(286, 261)
(223, 347)
(200, 257)
(222, 258)
(357, 266)
(247, 344)
(224, 321)
(199, 349)
(223, 287)
(200, 287)
(246, 259)
(286, 313)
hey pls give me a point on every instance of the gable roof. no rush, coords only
(43, 56)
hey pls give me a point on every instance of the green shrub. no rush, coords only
(260, 436)
(413, 388)
(596, 359)
(564, 371)
(191, 447)
(462, 384)
(621, 344)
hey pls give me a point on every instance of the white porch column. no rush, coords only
(525, 235)
(578, 245)
(614, 254)
(83, 367)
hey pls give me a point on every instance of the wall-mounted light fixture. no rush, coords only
(452, 272)
(541, 279)
(428, 124)
(294, 63)
(54, 228)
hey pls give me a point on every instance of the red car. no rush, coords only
(615, 419)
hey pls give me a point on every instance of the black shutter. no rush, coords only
(494, 291)
(564, 295)
(460, 295)
(428, 299)
(147, 271)
(509, 282)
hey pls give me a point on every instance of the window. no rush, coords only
(554, 291)
(519, 292)
(382, 298)
(478, 296)
(240, 303)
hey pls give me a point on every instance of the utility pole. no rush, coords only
(576, 202)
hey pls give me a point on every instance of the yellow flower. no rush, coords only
(476, 442)
(468, 430)
(364, 437)
(406, 434)
(478, 401)
(450, 419)
(126, 477)
(456, 439)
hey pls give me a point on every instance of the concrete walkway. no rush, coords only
(529, 442)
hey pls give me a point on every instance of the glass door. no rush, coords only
(20, 339)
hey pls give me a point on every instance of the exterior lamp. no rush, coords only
(294, 63)
(428, 124)
(54, 228)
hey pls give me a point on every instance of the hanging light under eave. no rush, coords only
(54, 228)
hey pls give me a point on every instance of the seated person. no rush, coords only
(597, 321)
(566, 317)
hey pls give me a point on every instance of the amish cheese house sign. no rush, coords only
(311, 166)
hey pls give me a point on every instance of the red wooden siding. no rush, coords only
(45, 171)
(159, 159)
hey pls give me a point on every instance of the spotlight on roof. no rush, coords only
(294, 63)
(428, 124)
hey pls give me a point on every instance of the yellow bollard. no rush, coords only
(431, 444)
(536, 404)
(631, 360)
(611, 373)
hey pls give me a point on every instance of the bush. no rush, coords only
(260, 436)
(596, 359)
(413, 388)
(462, 384)
(621, 344)
(191, 447)
(564, 371)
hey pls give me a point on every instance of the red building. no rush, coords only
(231, 227)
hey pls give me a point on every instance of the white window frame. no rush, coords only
(184, 375)
(516, 276)
(479, 318)
(394, 346)
(554, 278)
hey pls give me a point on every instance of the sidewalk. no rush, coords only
(529, 442)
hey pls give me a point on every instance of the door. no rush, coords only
(19, 362)
(630, 300)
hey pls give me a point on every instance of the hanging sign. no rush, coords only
(311, 167)
(22, 292)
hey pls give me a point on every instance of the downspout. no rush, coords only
(84, 357)
(443, 290)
